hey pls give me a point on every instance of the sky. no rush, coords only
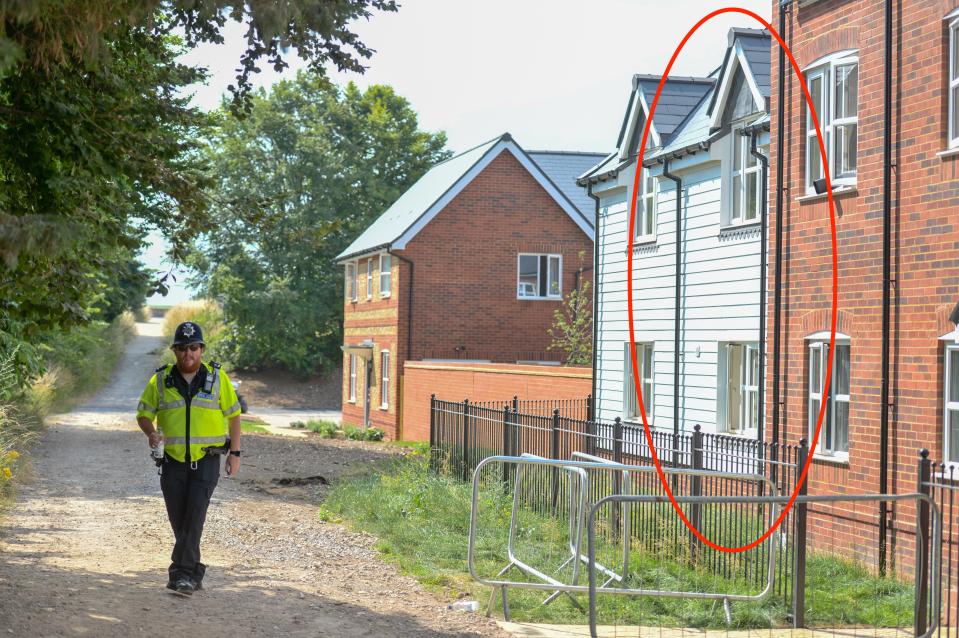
(556, 74)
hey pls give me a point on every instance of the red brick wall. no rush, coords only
(466, 269)
(925, 243)
(464, 286)
(483, 382)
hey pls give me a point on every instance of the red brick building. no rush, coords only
(896, 211)
(468, 265)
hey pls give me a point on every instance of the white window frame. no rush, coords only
(819, 347)
(646, 207)
(743, 170)
(369, 278)
(386, 275)
(550, 258)
(645, 359)
(385, 379)
(948, 405)
(746, 387)
(953, 83)
(352, 398)
(352, 282)
(825, 70)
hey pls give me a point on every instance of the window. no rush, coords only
(386, 275)
(369, 278)
(351, 283)
(646, 208)
(954, 84)
(834, 89)
(745, 187)
(950, 409)
(353, 378)
(539, 277)
(385, 373)
(740, 385)
(644, 360)
(834, 439)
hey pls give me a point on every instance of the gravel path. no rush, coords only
(84, 552)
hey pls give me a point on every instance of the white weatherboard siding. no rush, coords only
(719, 296)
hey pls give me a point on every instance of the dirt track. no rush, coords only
(85, 550)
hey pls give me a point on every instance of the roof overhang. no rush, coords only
(736, 60)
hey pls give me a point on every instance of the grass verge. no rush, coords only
(422, 523)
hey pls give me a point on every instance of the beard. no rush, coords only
(188, 368)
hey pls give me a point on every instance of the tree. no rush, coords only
(304, 173)
(98, 146)
(572, 329)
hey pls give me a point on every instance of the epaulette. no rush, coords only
(161, 368)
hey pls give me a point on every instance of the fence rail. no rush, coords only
(463, 434)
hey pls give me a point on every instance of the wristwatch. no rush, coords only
(235, 452)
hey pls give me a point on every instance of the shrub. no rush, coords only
(298, 425)
(375, 434)
(354, 433)
(326, 429)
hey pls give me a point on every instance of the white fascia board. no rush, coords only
(476, 169)
(736, 61)
(639, 103)
(952, 14)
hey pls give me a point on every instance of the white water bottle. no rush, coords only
(464, 605)
(156, 451)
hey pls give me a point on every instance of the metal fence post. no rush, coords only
(799, 540)
(617, 476)
(922, 545)
(433, 434)
(554, 454)
(589, 407)
(507, 444)
(696, 489)
(466, 440)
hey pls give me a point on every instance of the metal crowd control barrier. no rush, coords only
(774, 501)
(553, 585)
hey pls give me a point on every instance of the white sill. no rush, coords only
(644, 241)
(386, 296)
(949, 152)
(832, 459)
(836, 192)
(384, 407)
(539, 298)
(353, 401)
(729, 228)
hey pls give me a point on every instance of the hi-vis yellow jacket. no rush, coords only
(190, 431)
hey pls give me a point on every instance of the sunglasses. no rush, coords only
(193, 347)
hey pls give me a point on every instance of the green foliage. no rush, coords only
(375, 434)
(572, 329)
(98, 143)
(50, 33)
(422, 523)
(326, 429)
(308, 169)
(354, 433)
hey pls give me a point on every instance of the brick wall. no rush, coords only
(465, 303)
(483, 382)
(925, 244)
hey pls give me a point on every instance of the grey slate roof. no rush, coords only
(756, 47)
(559, 167)
(563, 168)
(679, 97)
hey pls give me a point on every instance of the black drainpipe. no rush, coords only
(589, 191)
(764, 204)
(884, 406)
(777, 292)
(679, 264)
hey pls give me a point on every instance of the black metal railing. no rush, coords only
(464, 433)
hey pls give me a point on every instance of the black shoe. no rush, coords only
(171, 585)
(197, 586)
(185, 587)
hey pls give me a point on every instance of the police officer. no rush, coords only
(191, 402)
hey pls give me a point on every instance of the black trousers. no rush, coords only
(187, 495)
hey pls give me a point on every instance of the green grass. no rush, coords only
(252, 425)
(422, 523)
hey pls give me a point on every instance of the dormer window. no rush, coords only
(834, 88)
(745, 190)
